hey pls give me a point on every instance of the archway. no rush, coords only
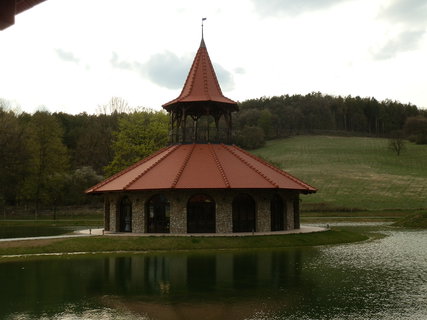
(125, 218)
(158, 214)
(277, 213)
(201, 214)
(244, 219)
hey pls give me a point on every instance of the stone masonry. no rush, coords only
(223, 208)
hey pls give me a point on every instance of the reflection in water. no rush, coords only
(384, 279)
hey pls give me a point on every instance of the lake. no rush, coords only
(381, 279)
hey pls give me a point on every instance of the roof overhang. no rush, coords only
(201, 166)
(10, 8)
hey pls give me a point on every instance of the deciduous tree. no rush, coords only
(139, 134)
(48, 159)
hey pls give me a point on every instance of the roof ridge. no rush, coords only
(205, 76)
(167, 153)
(120, 173)
(184, 164)
(219, 166)
(271, 181)
(284, 173)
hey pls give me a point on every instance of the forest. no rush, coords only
(48, 159)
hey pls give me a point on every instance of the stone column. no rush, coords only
(178, 213)
(138, 213)
(223, 211)
(114, 210)
(290, 213)
(263, 216)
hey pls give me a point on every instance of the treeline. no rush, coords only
(49, 159)
(314, 113)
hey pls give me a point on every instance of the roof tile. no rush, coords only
(201, 166)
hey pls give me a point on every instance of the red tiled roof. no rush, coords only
(202, 83)
(201, 166)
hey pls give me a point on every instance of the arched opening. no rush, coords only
(277, 213)
(158, 214)
(244, 219)
(125, 217)
(201, 214)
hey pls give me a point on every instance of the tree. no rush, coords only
(251, 138)
(139, 134)
(80, 180)
(48, 159)
(396, 143)
(115, 105)
(13, 156)
(94, 145)
(415, 129)
(265, 122)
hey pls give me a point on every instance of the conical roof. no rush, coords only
(201, 166)
(201, 84)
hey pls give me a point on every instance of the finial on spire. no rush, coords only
(203, 19)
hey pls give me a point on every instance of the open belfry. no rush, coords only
(201, 183)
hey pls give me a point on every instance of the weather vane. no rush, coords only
(203, 19)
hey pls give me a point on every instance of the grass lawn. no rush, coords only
(35, 228)
(132, 244)
(353, 172)
(414, 221)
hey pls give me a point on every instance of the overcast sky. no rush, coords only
(74, 55)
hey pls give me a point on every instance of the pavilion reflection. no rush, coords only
(195, 274)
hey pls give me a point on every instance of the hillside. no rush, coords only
(353, 172)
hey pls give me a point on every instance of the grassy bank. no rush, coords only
(36, 228)
(130, 244)
(413, 221)
(353, 172)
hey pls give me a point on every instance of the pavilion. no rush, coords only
(201, 183)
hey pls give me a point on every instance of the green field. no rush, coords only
(353, 173)
(144, 244)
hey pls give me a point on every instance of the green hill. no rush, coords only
(413, 221)
(353, 172)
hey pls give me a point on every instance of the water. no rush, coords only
(382, 279)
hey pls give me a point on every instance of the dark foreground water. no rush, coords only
(383, 279)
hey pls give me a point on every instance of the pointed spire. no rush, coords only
(203, 19)
(202, 83)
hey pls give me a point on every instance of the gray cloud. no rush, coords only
(67, 56)
(116, 63)
(411, 17)
(291, 7)
(225, 78)
(408, 12)
(168, 70)
(406, 41)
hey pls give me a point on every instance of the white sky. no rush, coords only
(73, 55)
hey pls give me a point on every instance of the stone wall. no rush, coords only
(223, 205)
